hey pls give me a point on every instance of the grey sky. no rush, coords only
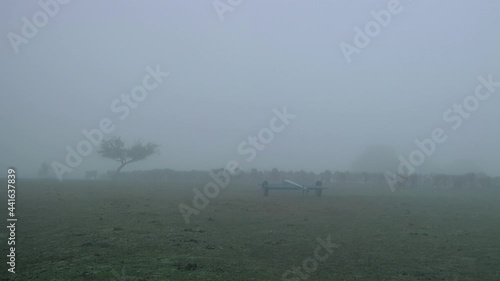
(227, 76)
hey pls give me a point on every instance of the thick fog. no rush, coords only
(232, 68)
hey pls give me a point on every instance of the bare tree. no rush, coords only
(114, 149)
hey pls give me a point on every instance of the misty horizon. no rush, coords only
(226, 78)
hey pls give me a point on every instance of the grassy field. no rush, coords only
(101, 230)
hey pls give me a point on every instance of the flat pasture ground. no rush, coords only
(106, 230)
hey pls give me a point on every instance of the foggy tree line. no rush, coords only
(340, 179)
(115, 149)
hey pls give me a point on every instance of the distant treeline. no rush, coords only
(329, 178)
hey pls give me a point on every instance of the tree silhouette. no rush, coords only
(114, 149)
(43, 172)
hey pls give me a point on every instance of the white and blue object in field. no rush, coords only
(290, 185)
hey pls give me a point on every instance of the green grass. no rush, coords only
(98, 230)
